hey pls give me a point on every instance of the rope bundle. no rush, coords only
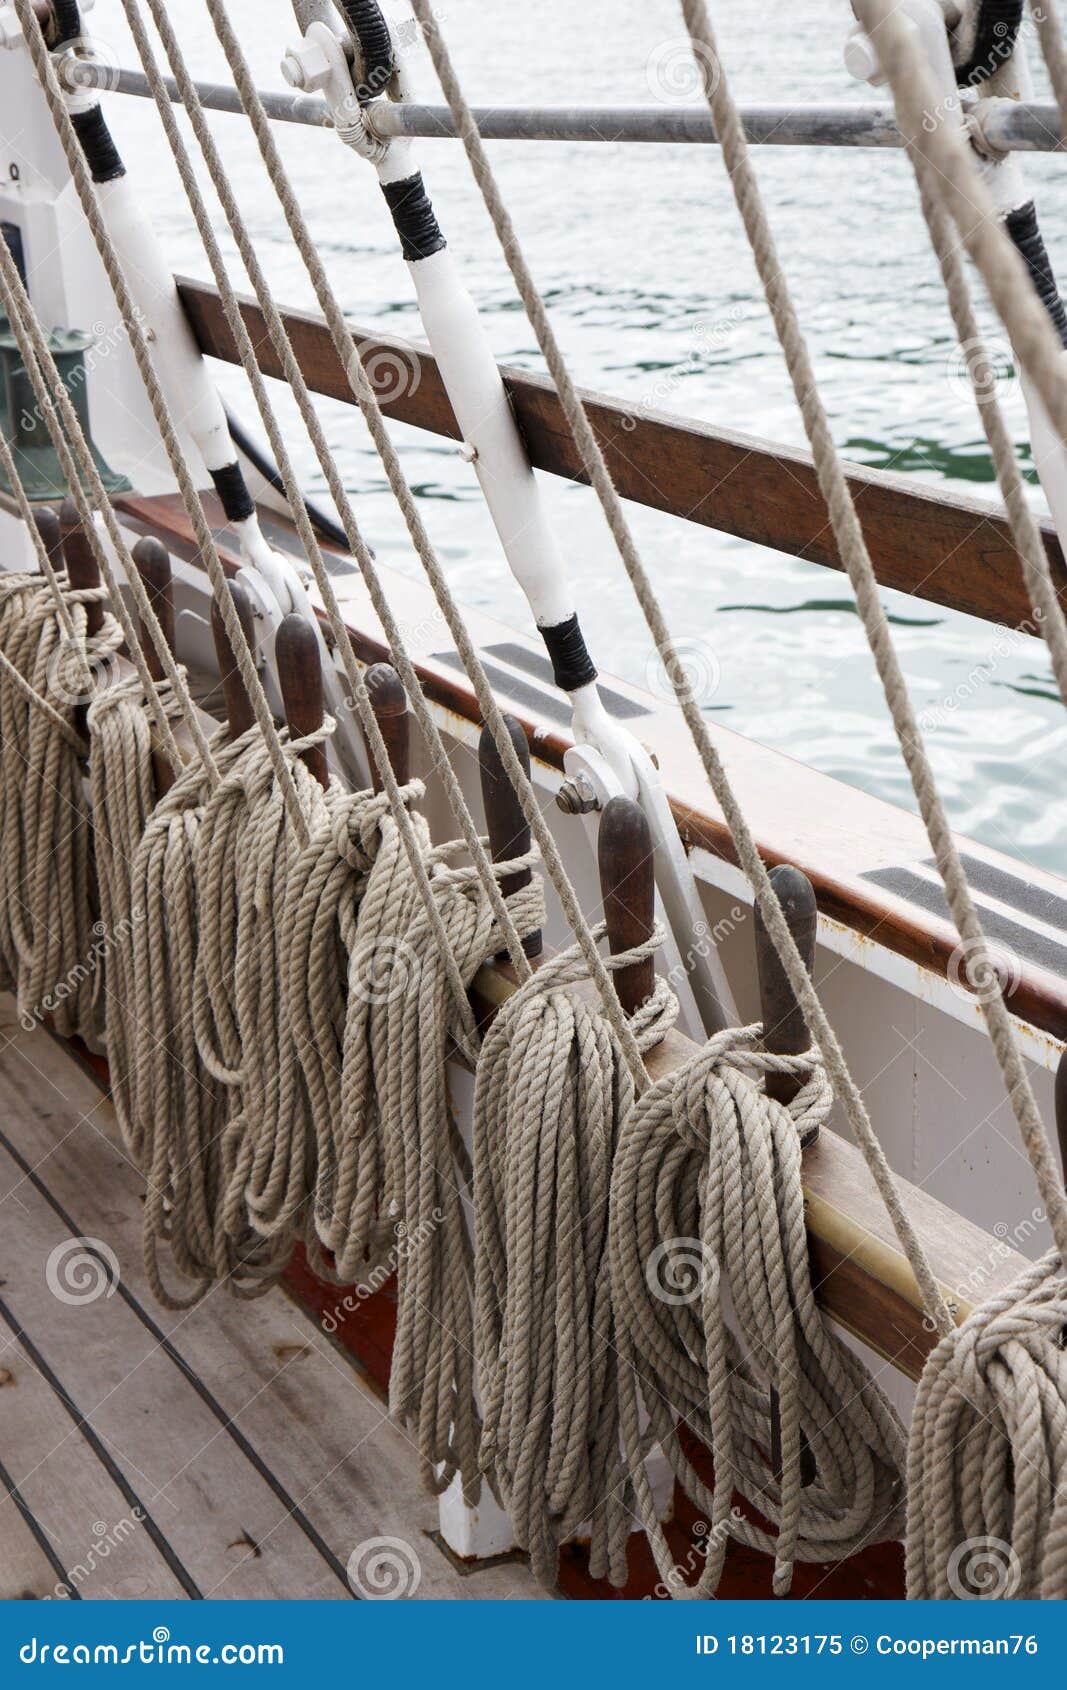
(707, 1218)
(551, 1092)
(48, 901)
(344, 890)
(175, 1111)
(987, 1467)
(244, 851)
(373, 1019)
(123, 796)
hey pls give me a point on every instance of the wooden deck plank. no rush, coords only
(91, 1527)
(274, 1375)
(224, 1524)
(26, 1573)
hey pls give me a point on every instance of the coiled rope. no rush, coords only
(176, 1110)
(987, 1468)
(707, 1223)
(244, 851)
(373, 1022)
(551, 1096)
(48, 900)
(123, 797)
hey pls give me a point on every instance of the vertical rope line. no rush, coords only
(962, 192)
(352, 362)
(280, 338)
(87, 195)
(1050, 35)
(748, 853)
(851, 544)
(1048, 611)
(953, 172)
(70, 443)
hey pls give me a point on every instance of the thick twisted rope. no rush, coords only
(715, 1310)
(987, 1467)
(350, 898)
(48, 900)
(123, 797)
(551, 1094)
(244, 852)
(431, 1379)
(177, 1110)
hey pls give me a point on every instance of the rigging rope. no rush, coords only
(244, 853)
(715, 1313)
(551, 1095)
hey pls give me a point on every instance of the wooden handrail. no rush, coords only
(944, 547)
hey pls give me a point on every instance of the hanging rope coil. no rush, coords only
(707, 1216)
(48, 899)
(373, 1021)
(987, 1468)
(341, 960)
(551, 1092)
(244, 851)
(123, 796)
(431, 1382)
(177, 1110)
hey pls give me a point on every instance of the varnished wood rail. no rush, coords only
(944, 547)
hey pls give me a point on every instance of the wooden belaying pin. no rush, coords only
(153, 566)
(785, 1033)
(784, 1030)
(628, 888)
(507, 827)
(82, 568)
(239, 712)
(296, 652)
(47, 524)
(389, 702)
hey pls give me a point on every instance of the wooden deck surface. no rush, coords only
(228, 1451)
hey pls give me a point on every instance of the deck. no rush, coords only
(229, 1451)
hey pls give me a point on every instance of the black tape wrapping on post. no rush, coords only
(572, 666)
(101, 153)
(368, 25)
(66, 22)
(1022, 227)
(996, 31)
(413, 217)
(231, 488)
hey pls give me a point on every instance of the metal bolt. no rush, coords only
(293, 70)
(576, 796)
